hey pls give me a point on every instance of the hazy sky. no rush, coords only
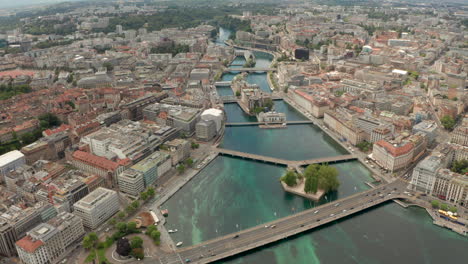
(19, 3)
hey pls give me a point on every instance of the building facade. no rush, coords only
(97, 207)
(131, 182)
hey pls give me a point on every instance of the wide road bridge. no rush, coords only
(248, 239)
(259, 69)
(289, 163)
(302, 122)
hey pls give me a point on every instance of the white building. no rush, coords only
(42, 245)
(96, 207)
(131, 182)
(425, 173)
(10, 161)
(70, 228)
(213, 114)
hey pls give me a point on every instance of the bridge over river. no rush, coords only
(301, 122)
(289, 163)
(258, 236)
(259, 69)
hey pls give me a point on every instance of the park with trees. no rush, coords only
(97, 249)
(316, 180)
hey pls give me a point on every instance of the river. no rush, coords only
(232, 194)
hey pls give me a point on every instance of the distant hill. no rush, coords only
(22, 3)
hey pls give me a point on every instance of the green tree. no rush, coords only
(71, 104)
(130, 209)
(238, 93)
(181, 168)
(108, 66)
(135, 204)
(311, 178)
(448, 122)
(189, 162)
(49, 120)
(460, 166)
(290, 178)
(150, 229)
(453, 209)
(136, 242)
(27, 138)
(151, 192)
(122, 227)
(328, 180)
(121, 215)
(131, 228)
(138, 253)
(155, 235)
(144, 196)
(444, 207)
(194, 145)
(89, 241)
(321, 177)
(364, 146)
(435, 204)
(112, 222)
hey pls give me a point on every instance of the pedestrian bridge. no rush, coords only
(229, 99)
(260, 69)
(223, 83)
(288, 226)
(288, 163)
(303, 122)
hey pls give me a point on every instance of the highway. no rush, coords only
(258, 236)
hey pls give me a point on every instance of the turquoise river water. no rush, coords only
(231, 194)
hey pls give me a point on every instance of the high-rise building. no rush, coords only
(97, 207)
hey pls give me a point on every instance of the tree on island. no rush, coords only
(250, 63)
(321, 177)
(290, 178)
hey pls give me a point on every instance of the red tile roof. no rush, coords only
(95, 161)
(28, 244)
(15, 73)
(395, 151)
(59, 129)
